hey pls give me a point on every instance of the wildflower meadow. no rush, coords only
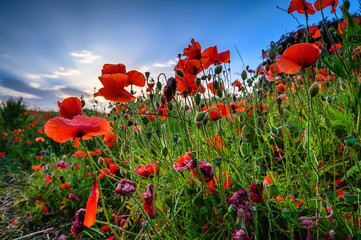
(274, 154)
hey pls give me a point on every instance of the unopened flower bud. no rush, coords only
(201, 116)
(267, 67)
(314, 89)
(244, 75)
(179, 72)
(159, 85)
(219, 93)
(197, 99)
(198, 81)
(218, 69)
(272, 54)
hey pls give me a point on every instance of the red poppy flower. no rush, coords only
(215, 91)
(256, 191)
(314, 32)
(104, 172)
(214, 57)
(92, 205)
(151, 117)
(226, 183)
(65, 186)
(268, 179)
(38, 168)
(343, 25)
(338, 47)
(110, 138)
(113, 167)
(105, 228)
(206, 170)
(183, 163)
(114, 79)
(70, 107)
(48, 178)
(239, 235)
(321, 4)
(147, 171)
(125, 187)
(193, 51)
(39, 139)
(148, 201)
(298, 56)
(300, 6)
(62, 129)
(238, 84)
(214, 114)
(61, 164)
(96, 152)
(79, 154)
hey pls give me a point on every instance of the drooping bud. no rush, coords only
(197, 99)
(179, 72)
(218, 69)
(159, 85)
(200, 116)
(314, 89)
(219, 93)
(279, 48)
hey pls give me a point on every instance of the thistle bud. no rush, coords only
(179, 72)
(272, 54)
(314, 89)
(244, 75)
(197, 99)
(350, 141)
(330, 194)
(218, 69)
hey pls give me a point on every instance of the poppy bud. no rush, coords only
(330, 194)
(165, 152)
(204, 77)
(209, 76)
(148, 134)
(101, 161)
(267, 67)
(145, 120)
(346, 4)
(328, 122)
(162, 99)
(197, 99)
(232, 208)
(179, 72)
(82, 103)
(145, 225)
(185, 93)
(179, 55)
(198, 81)
(244, 148)
(249, 81)
(159, 85)
(291, 128)
(286, 213)
(279, 48)
(314, 89)
(151, 96)
(170, 106)
(234, 98)
(272, 44)
(219, 93)
(322, 31)
(349, 197)
(201, 116)
(218, 69)
(272, 54)
(157, 104)
(244, 75)
(350, 141)
(273, 190)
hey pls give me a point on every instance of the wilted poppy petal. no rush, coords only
(92, 205)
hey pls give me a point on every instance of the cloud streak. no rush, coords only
(85, 56)
(170, 63)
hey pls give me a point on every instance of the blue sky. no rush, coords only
(50, 50)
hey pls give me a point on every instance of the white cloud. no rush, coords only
(9, 92)
(170, 63)
(85, 56)
(142, 69)
(33, 76)
(60, 72)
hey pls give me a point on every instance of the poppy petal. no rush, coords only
(136, 78)
(287, 66)
(92, 205)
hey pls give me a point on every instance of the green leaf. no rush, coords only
(352, 170)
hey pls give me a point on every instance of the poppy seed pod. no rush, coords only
(349, 197)
(272, 54)
(314, 89)
(180, 73)
(147, 74)
(244, 75)
(286, 213)
(218, 69)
